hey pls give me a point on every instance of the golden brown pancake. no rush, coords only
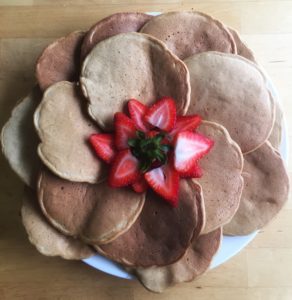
(64, 128)
(19, 139)
(242, 48)
(131, 65)
(194, 263)
(60, 60)
(110, 26)
(47, 239)
(186, 33)
(96, 213)
(232, 91)
(221, 182)
(266, 187)
(161, 234)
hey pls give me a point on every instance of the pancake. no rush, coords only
(266, 187)
(232, 91)
(275, 137)
(96, 213)
(161, 234)
(64, 129)
(44, 237)
(19, 139)
(186, 33)
(221, 182)
(131, 65)
(60, 60)
(194, 263)
(242, 48)
(110, 26)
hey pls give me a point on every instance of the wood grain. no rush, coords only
(262, 271)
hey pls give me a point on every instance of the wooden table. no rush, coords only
(263, 271)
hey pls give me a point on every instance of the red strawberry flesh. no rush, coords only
(124, 130)
(137, 111)
(124, 170)
(140, 186)
(189, 148)
(103, 145)
(162, 114)
(195, 172)
(165, 182)
(185, 123)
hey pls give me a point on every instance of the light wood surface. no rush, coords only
(262, 271)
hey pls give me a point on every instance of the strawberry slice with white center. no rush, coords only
(140, 186)
(185, 123)
(165, 182)
(195, 172)
(124, 170)
(162, 114)
(137, 111)
(125, 129)
(188, 149)
(103, 145)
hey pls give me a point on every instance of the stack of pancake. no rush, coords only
(83, 79)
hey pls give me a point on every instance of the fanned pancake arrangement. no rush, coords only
(145, 139)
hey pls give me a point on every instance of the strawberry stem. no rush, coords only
(149, 150)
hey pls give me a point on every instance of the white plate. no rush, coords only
(230, 245)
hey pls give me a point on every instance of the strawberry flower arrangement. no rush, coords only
(153, 148)
(150, 184)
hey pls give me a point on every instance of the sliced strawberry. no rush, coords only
(103, 145)
(195, 172)
(137, 111)
(124, 130)
(140, 186)
(165, 182)
(185, 123)
(162, 114)
(189, 148)
(124, 170)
